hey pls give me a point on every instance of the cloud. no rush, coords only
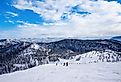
(9, 21)
(49, 9)
(12, 14)
(104, 19)
(65, 30)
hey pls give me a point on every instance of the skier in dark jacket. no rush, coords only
(66, 63)
(63, 64)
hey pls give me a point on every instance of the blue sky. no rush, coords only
(66, 18)
(23, 15)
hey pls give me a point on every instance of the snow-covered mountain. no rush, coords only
(98, 56)
(19, 55)
(44, 40)
(118, 38)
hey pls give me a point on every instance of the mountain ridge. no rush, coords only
(118, 38)
(20, 55)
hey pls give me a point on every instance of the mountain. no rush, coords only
(97, 56)
(118, 38)
(20, 55)
(45, 40)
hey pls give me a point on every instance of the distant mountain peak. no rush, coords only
(118, 38)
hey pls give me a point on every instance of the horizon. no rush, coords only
(62, 38)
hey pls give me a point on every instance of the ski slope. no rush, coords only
(93, 72)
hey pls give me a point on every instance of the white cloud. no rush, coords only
(9, 21)
(104, 19)
(66, 30)
(12, 14)
(50, 9)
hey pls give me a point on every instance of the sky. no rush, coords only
(59, 18)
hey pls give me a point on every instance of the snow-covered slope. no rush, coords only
(93, 57)
(95, 72)
(98, 56)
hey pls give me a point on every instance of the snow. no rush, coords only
(19, 65)
(35, 46)
(93, 57)
(91, 72)
(96, 56)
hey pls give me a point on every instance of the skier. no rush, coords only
(56, 64)
(66, 63)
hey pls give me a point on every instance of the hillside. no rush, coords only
(18, 55)
(95, 72)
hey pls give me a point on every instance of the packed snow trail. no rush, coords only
(93, 72)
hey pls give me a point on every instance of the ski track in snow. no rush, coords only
(93, 72)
